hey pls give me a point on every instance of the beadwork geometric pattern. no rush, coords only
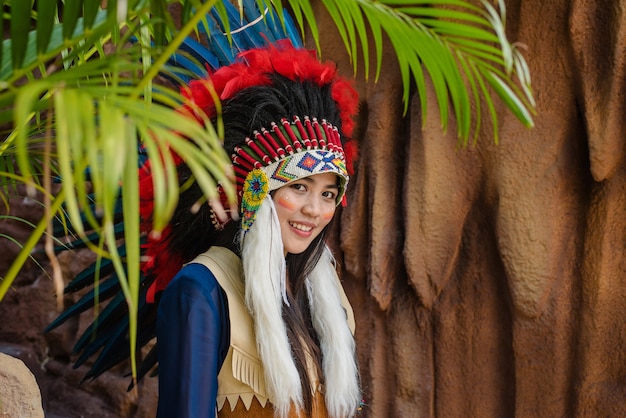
(304, 164)
(255, 188)
(287, 151)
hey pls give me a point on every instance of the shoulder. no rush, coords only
(192, 279)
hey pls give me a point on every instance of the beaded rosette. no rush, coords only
(255, 188)
(285, 153)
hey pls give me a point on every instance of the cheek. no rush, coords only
(285, 202)
(328, 215)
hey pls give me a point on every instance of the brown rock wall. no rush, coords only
(498, 287)
(29, 307)
(500, 293)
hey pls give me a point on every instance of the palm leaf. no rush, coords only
(105, 105)
(446, 43)
(20, 23)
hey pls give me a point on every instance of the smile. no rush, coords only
(301, 227)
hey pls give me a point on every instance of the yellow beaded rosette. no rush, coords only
(255, 189)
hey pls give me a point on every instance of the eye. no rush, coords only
(298, 186)
(329, 194)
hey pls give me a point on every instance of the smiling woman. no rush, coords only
(304, 208)
(249, 327)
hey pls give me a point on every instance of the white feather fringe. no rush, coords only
(265, 290)
(264, 267)
(342, 392)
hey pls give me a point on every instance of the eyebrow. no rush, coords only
(328, 186)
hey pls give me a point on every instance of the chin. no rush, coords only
(295, 251)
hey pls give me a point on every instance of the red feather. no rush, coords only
(252, 68)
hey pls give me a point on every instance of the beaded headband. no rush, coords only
(283, 154)
(270, 158)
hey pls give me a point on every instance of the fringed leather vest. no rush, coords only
(241, 382)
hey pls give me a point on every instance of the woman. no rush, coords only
(257, 324)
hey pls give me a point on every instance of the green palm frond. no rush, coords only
(99, 77)
(77, 93)
(461, 47)
(96, 112)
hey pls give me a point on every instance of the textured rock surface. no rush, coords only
(26, 310)
(493, 284)
(19, 392)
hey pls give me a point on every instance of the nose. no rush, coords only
(312, 207)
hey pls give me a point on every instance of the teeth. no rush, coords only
(301, 227)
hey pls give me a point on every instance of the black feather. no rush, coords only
(107, 289)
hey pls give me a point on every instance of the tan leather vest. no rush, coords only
(241, 383)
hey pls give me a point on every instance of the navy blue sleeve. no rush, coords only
(193, 334)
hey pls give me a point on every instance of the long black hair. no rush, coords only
(251, 109)
(194, 232)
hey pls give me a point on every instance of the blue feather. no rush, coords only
(107, 289)
(115, 350)
(92, 237)
(200, 53)
(244, 36)
(110, 314)
(218, 42)
(184, 67)
(292, 31)
(88, 275)
(62, 226)
(191, 63)
(120, 328)
(108, 333)
(262, 30)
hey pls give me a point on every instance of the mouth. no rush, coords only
(301, 227)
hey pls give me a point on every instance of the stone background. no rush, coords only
(487, 281)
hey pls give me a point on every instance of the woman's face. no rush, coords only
(304, 208)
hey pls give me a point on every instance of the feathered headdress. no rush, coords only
(287, 148)
(292, 147)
